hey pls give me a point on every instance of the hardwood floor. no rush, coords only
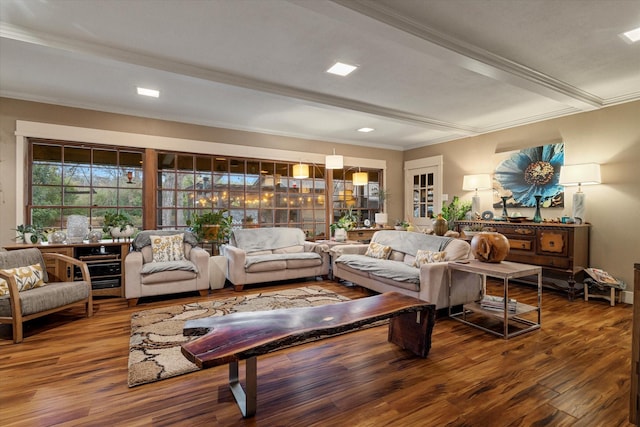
(575, 371)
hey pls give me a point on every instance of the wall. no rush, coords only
(609, 136)
(12, 110)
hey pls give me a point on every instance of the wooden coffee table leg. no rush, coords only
(412, 331)
(246, 400)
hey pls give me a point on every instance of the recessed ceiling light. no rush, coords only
(632, 36)
(341, 69)
(365, 130)
(148, 92)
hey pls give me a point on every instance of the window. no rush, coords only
(69, 178)
(254, 192)
(361, 200)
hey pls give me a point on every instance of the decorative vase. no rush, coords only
(340, 234)
(95, 236)
(77, 228)
(490, 247)
(122, 232)
(537, 217)
(58, 237)
(505, 214)
(440, 225)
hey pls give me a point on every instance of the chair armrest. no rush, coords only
(13, 287)
(60, 258)
(200, 258)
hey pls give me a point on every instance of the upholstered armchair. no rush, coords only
(26, 292)
(165, 262)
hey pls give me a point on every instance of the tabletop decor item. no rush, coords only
(490, 247)
(440, 225)
(77, 228)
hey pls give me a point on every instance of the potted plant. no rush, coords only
(381, 218)
(212, 226)
(347, 222)
(400, 224)
(30, 233)
(118, 225)
(455, 211)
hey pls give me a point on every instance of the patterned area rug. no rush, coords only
(156, 335)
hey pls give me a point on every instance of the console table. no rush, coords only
(562, 250)
(105, 261)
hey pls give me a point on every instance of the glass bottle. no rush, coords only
(537, 217)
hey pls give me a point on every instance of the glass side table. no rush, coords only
(504, 270)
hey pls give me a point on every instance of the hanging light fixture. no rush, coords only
(300, 171)
(360, 178)
(334, 161)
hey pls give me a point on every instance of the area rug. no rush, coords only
(156, 335)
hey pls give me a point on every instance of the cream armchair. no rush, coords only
(145, 276)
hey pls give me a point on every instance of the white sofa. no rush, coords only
(258, 255)
(144, 278)
(429, 282)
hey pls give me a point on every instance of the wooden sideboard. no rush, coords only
(363, 235)
(634, 411)
(562, 250)
(105, 260)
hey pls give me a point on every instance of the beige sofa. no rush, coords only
(428, 282)
(258, 255)
(144, 277)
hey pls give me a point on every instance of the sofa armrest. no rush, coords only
(316, 247)
(434, 285)
(355, 249)
(132, 272)
(236, 259)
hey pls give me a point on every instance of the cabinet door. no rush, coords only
(553, 242)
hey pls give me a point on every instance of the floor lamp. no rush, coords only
(583, 174)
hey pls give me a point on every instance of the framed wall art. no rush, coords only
(523, 174)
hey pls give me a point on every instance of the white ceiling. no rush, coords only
(430, 70)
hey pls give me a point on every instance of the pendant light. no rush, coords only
(300, 171)
(334, 161)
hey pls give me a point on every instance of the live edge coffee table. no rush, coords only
(245, 336)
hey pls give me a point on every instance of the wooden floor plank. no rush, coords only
(575, 371)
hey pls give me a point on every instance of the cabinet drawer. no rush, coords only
(521, 244)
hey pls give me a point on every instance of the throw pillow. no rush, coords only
(376, 250)
(167, 248)
(428, 257)
(28, 277)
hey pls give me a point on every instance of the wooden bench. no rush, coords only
(244, 336)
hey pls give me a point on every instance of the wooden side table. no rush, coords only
(504, 270)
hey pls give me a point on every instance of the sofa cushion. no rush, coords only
(165, 277)
(376, 250)
(394, 270)
(267, 265)
(268, 238)
(304, 263)
(428, 257)
(54, 295)
(257, 253)
(167, 248)
(396, 256)
(410, 243)
(158, 267)
(289, 249)
(27, 277)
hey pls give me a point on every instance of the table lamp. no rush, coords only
(582, 174)
(476, 182)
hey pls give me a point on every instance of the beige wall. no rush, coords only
(610, 136)
(12, 110)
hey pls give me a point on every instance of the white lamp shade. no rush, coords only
(300, 171)
(334, 161)
(583, 174)
(476, 182)
(360, 178)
